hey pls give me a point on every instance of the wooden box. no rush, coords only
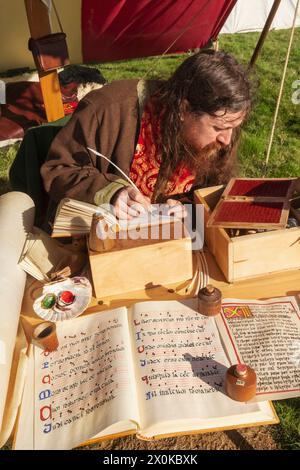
(254, 203)
(248, 256)
(137, 264)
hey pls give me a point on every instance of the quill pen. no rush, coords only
(119, 169)
(116, 166)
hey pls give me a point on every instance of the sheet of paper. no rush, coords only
(180, 364)
(266, 336)
(144, 219)
(86, 385)
(43, 255)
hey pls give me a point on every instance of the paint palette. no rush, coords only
(63, 300)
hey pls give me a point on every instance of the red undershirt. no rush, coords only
(147, 159)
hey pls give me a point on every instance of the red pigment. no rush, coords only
(67, 297)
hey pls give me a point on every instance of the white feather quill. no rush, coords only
(116, 166)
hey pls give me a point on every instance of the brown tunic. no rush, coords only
(106, 120)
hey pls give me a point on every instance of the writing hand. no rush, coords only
(175, 208)
(129, 203)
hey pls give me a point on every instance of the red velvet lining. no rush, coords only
(253, 212)
(260, 188)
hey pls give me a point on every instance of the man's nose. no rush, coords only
(225, 137)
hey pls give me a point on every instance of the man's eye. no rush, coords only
(217, 129)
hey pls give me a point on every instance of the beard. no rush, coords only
(211, 165)
(201, 161)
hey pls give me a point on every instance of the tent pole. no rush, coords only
(264, 33)
(281, 85)
(39, 25)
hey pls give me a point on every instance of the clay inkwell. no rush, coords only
(240, 382)
(101, 238)
(209, 301)
(45, 336)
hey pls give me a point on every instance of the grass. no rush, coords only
(288, 433)
(285, 155)
(7, 155)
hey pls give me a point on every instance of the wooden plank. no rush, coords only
(134, 269)
(267, 252)
(263, 287)
(39, 25)
(38, 18)
(211, 195)
(52, 95)
(141, 236)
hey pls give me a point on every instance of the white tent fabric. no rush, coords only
(251, 15)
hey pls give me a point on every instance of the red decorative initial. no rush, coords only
(45, 413)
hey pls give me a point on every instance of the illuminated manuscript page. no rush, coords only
(87, 385)
(266, 336)
(180, 369)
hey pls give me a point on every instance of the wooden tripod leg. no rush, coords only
(39, 25)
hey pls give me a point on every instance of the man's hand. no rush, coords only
(175, 208)
(129, 203)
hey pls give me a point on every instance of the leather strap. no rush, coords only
(57, 16)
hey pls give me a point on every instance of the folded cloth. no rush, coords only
(24, 107)
(24, 173)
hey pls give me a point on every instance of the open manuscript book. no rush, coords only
(158, 369)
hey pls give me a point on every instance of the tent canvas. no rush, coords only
(251, 16)
(127, 29)
(14, 32)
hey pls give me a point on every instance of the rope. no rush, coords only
(281, 87)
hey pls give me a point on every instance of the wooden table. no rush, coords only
(271, 285)
(281, 284)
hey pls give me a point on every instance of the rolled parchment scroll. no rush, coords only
(16, 220)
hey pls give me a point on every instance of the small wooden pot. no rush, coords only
(45, 336)
(209, 301)
(240, 382)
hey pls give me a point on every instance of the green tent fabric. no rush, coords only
(24, 174)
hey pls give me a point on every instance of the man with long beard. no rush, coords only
(167, 136)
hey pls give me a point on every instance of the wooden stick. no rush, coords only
(264, 32)
(39, 25)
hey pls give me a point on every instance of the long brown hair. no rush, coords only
(209, 81)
